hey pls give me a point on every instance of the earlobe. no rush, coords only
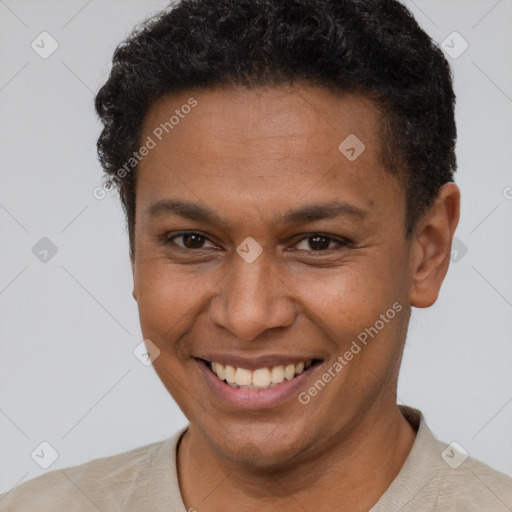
(432, 246)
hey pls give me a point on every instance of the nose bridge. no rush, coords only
(251, 285)
(252, 299)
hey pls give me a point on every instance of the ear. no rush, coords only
(431, 246)
(134, 292)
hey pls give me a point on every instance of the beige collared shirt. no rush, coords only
(434, 477)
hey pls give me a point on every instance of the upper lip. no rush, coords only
(255, 361)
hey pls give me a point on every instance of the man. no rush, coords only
(286, 169)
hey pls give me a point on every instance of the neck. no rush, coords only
(350, 474)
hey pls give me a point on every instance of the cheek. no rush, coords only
(156, 289)
(346, 300)
(169, 298)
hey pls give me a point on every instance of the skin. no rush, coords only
(251, 156)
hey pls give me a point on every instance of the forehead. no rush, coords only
(266, 118)
(267, 144)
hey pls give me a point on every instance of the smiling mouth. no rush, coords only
(261, 378)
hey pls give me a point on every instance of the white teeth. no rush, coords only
(289, 372)
(262, 378)
(277, 374)
(219, 370)
(243, 377)
(229, 373)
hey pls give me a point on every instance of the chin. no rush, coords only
(266, 451)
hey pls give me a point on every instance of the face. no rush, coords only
(260, 244)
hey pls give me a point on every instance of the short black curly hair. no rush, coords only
(372, 47)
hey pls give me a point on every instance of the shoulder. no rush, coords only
(442, 477)
(473, 485)
(98, 484)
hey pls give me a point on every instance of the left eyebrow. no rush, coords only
(315, 212)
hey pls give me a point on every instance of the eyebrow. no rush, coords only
(185, 209)
(308, 213)
(314, 212)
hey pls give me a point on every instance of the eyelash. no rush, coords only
(341, 242)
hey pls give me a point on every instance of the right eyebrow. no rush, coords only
(185, 209)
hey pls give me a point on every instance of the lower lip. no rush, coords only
(255, 398)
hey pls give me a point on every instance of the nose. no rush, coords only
(253, 298)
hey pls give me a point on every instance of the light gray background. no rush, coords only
(68, 375)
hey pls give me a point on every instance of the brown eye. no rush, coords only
(193, 241)
(189, 240)
(318, 242)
